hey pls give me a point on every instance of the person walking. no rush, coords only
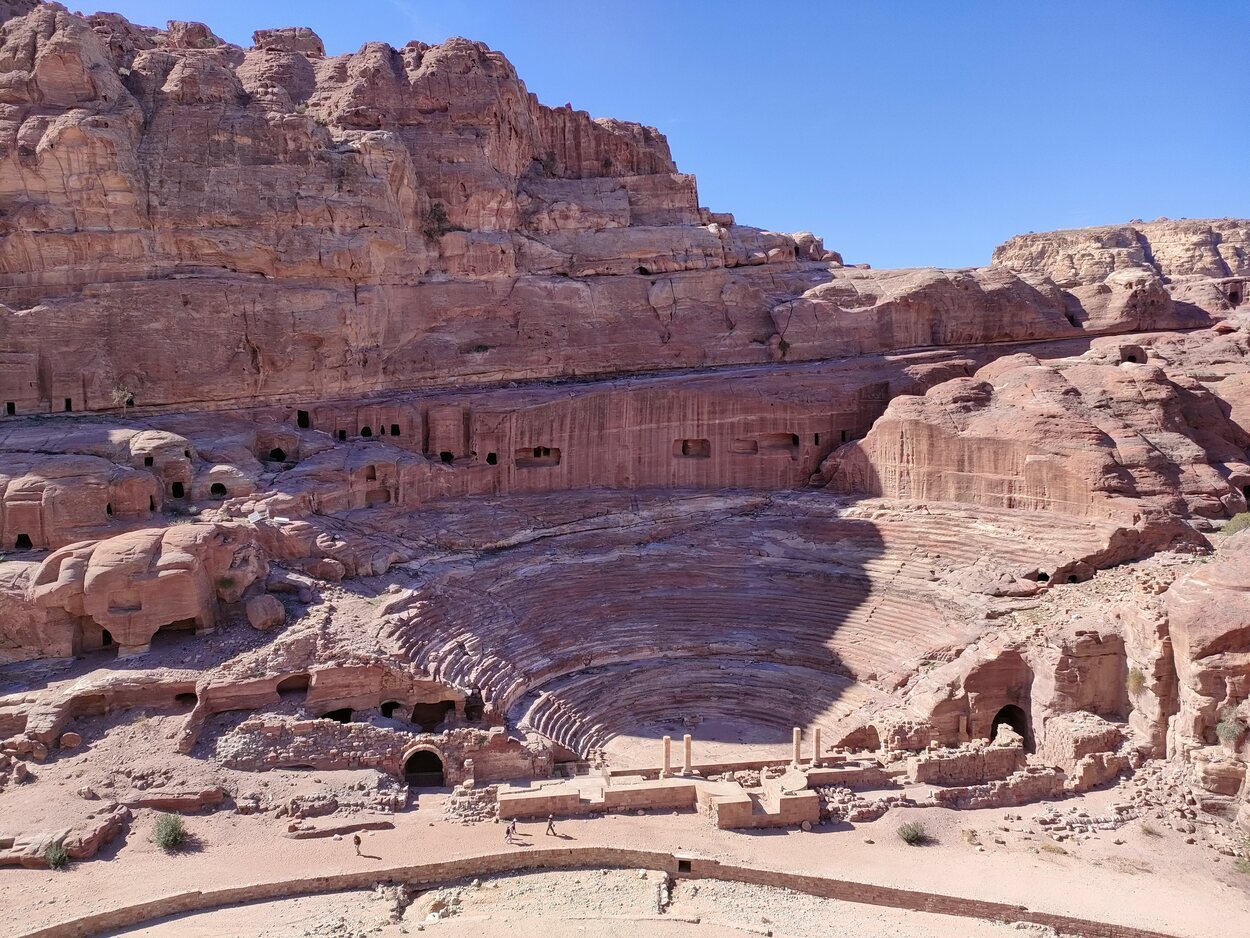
(551, 825)
(356, 841)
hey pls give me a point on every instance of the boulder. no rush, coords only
(265, 612)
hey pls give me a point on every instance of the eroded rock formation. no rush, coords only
(951, 519)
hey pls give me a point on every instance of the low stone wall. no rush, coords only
(560, 801)
(964, 766)
(680, 866)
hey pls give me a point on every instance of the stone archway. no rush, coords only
(423, 768)
(1017, 719)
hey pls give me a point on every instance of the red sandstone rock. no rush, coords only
(265, 612)
(446, 225)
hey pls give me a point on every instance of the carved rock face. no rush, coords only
(136, 583)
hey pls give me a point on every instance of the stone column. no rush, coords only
(798, 746)
(686, 765)
(668, 758)
(815, 747)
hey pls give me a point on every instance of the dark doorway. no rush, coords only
(217, 490)
(366, 432)
(447, 456)
(106, 638)
(177, 490)
(424, 769)
(302, 420)
(491, 459)
(394, 429)
(10, 408)
(389, 707)
(69, 404)
(1017, 719)
(185, 701)
(342, 434)
(1245, 493)
(23, 542)
(429, 715)
(277, 454)
(342, 715)
(474, 707)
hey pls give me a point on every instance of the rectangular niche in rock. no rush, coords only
(536, 457)
(692, 449)
(775, 444)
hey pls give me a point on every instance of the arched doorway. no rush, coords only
(424, 769)
(1017, 719)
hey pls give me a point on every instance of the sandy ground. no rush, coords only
(592, 903)
(1152, 881)
(716, 741)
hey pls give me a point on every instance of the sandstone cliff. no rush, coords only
(190, 223)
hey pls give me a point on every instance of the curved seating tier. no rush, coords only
(803, 588)
(584, 711)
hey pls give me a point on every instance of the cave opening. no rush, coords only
(1017, 719)
(293, 687)
(429, 715)
(424, 769)
(23, 542)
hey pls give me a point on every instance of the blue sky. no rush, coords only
(905, 132)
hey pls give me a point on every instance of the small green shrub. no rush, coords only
(301, 108)
(1149, 829)
(1136, 682)
(169, 833)
(1242, 865)
(1237, 523)
(914, 834)
(548, 163)
(1229, 728)
(57, 856)
(436, 223)
(783, 347)
(225, 582)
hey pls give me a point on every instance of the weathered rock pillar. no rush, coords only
(686, 765)
(668, 758)
(798, 746)
(815, 746)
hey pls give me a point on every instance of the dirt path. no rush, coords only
(1154, 882)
